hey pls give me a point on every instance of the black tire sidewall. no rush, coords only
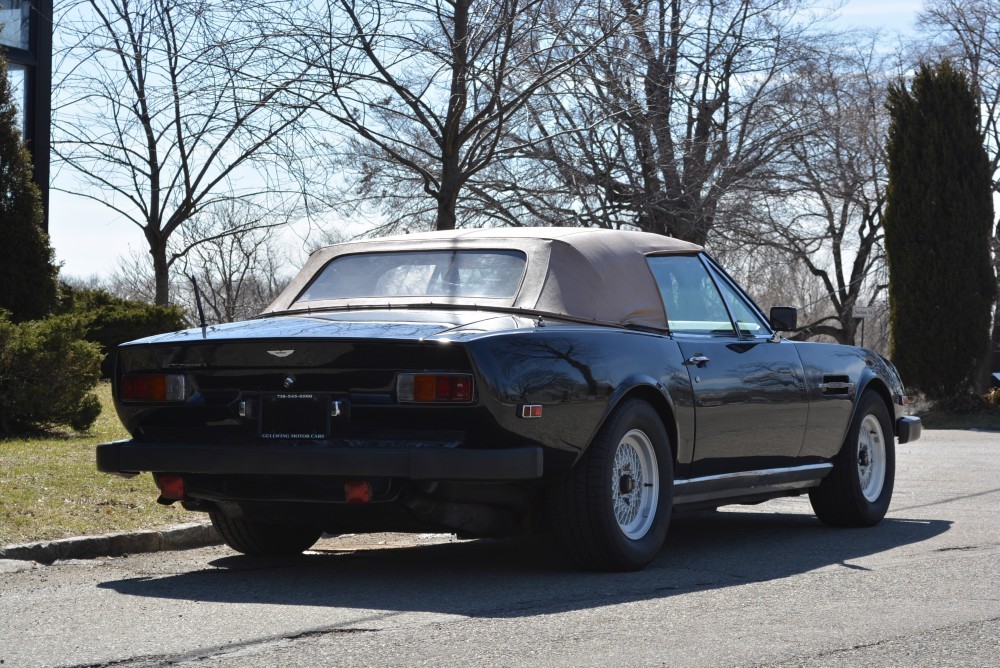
(839, 501)
(871, 511)
(262, 539)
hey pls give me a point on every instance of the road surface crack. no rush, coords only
(236, 648)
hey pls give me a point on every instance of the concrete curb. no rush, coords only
(182, 537)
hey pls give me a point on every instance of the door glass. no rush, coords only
(692, 301)
(747, 321)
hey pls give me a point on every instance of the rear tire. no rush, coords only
(261, 539)
(858, 490)
(612, 510)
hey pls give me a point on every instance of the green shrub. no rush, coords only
(112, 320)
(47, 373)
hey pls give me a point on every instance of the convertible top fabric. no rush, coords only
(583, 273)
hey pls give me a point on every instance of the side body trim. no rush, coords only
(763, 482)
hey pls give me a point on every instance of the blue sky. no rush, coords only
(88, 238)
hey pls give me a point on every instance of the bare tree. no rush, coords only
(822, 210)
(239, 270)
(429, 93)
(166, 107)
(685, 105)
(133, 279)
(968, 33)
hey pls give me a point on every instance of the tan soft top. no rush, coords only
(582, 273)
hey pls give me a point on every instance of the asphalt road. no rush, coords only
(764, 585)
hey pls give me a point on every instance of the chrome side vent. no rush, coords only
(837, 386)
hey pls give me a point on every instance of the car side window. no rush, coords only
(690, 297)
(747, 320)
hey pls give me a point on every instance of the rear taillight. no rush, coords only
(434, 387)
(153, 387)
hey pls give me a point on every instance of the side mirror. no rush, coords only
(783, 318)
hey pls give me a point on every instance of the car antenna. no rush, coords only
(197, 301)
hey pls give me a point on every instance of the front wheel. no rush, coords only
(611, 512)
(262, 539)
(858, 490)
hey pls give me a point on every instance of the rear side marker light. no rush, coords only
(434, 387)
(531, 411)
(153, 387)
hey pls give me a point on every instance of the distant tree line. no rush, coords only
(748, 126)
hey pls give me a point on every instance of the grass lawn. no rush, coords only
(50, 487)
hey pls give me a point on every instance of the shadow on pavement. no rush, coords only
(521, 577)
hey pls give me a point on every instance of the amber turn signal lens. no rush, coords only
(153, 387)
(434, 387)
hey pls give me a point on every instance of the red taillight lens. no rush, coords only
(358, 491)
(153, 387)
(171, 486)
(434, 387)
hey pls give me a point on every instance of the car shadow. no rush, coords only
(488, 578)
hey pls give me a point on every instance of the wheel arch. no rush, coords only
(877, 385)
(653, 394)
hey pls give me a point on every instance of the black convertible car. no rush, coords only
(577, 382)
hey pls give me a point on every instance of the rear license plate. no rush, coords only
(295, 415)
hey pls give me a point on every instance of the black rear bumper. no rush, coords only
(130, 457)
(908, 428)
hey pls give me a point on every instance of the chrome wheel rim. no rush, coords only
(871, 458)
(635, 484)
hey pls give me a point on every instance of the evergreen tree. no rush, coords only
(938, 222)
(27, 274)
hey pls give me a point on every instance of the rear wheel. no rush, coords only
(263, 539)
(612, 510)
(858, 490)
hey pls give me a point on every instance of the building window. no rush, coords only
(18, 76)
(14, 23)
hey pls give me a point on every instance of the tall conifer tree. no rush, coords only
(938, 223)
(27, 274)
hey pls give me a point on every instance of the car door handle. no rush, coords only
(698, 360)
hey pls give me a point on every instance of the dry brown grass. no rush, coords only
(50, 487)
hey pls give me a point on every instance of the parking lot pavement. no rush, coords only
(745, 586)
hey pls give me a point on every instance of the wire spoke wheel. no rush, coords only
(635, 484)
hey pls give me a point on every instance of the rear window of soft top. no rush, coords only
(487, 274)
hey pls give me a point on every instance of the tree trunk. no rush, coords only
(451, 173)
(448, 198)
(996, 304)
(161, 268)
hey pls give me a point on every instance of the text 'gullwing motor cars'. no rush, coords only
(493, 382)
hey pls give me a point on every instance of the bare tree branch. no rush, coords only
(164, 107)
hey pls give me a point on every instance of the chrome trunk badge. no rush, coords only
(280, 353)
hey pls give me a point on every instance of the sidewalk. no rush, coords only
(181, 537)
